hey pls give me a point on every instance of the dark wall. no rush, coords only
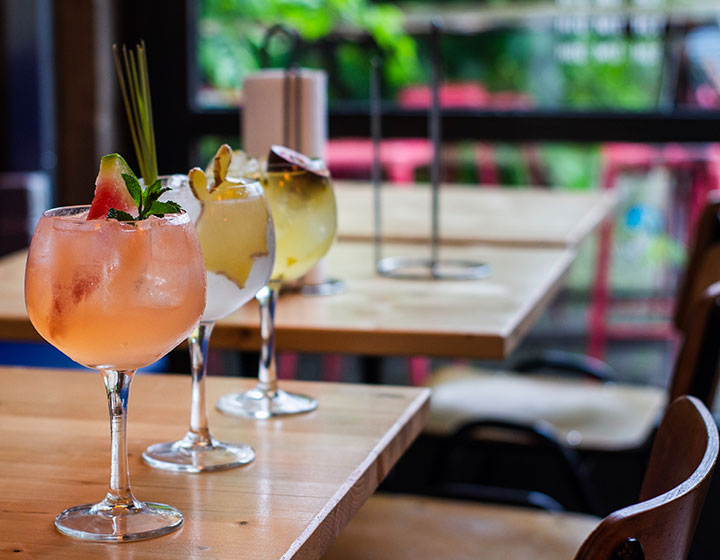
(27, 139)
(27, 92)
(167, 28)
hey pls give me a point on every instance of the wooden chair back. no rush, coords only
(662, 524)
(697, 276)
(696, 366)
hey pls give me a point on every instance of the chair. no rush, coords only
(707, 234)
(659, 526)
(699, 165)
(592, 415)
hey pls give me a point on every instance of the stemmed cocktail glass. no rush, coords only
(302, 202)
(236, 234)
(115, 296)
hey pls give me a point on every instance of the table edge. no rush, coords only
(311, 544)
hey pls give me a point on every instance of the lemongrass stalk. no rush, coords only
(135, 95)
(142, 58)
(132, 73)
(126, 100)
(140, 118)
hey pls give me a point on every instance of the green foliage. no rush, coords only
(225, 59)
(232, 31)
(511, 167)
(505, 58)
(571, 166)
(620, 84)
(522, 60)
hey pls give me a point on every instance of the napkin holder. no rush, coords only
(286, 106)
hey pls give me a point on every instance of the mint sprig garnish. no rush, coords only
(119, 215)
(146, 200)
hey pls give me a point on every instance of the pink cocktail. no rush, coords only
(115, 296)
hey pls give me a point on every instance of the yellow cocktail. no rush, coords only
(303, 208)
(304, 212)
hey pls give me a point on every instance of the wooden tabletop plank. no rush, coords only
(483, 319)
(470, 214)
(472, 318)
(311, 474)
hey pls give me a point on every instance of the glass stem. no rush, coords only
(267, 373)
(198, 342)
(117, 386)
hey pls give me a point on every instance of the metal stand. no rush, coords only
(433, 267)
(291, 77)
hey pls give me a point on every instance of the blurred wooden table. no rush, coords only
(483, 319)
(471, 214)
(291, 502)
(14, 321)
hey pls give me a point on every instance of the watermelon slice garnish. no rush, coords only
(110, 189)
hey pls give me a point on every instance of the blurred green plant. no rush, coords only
(232, 31)
(506, 59)
(571, 166)
(618, 84)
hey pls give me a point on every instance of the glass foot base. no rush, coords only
(196, 457)
(259, 404)
(99, 522)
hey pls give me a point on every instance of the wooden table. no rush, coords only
(311, 475)
(483, 319)
(470, 214)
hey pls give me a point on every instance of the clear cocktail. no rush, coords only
(233, 223)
